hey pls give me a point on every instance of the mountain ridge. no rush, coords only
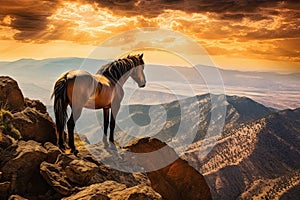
(273, 90)
(258, 151)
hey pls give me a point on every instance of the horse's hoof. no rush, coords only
(111, 140)
(74, 151)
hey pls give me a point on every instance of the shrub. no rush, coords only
(5, 124)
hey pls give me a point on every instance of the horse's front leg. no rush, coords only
(114, 111)
(106, 122)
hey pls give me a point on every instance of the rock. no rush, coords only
(36, 104)
(56, 178)
(177, 180)
(53, 152)
(67, 173)
(55, 174)
(97, 191)
(4, 189)
(80, 171)
(115, 191)
(11, 97)
(136, 193)
(34, 125)
(129, 179)
(63, 160)
(5, 140)
(16, 197)
(20, 165)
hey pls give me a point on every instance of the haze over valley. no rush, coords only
(164, 83)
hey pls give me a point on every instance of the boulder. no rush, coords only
(56, 178)
(53, 152)
(106, 173)
(4, 189)
(67, 173)
(5, 141)
(115, 191)
(136, 193)
(16, 197)
(55, 174)
(11, 97)
(80, 171)
(34, 125)
(36, 104)
(97, 191)
(177, 180)
(20, 165)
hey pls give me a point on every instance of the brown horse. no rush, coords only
(79, 89)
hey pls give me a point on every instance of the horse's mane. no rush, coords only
(116, 69)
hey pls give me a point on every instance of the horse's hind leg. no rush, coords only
(61, 140)
(71, 125)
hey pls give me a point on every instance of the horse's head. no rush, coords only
(137, 73)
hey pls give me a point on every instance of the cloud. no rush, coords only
(152, 8)
(258, 28)
(29, 18)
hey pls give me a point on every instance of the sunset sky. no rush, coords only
(259, 35)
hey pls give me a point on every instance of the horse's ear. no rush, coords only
(128, 56)
(141, 56)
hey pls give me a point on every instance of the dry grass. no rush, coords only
(6, 126)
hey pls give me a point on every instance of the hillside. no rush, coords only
(258, 158)
(193, 115)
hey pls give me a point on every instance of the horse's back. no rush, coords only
(81, 85)
(72, 74)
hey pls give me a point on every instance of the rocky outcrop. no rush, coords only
(5, 140)
(36, 104)
(115, 191)
(20, 165)
(79, 178)
(34, 125)
(29, 117)
(11, 97)
(177, 180)
(16, 197)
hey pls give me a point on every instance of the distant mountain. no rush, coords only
(256, 159)
(191, 116)
(280, 91)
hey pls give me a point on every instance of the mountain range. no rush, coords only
(164, 83)
(260, 158)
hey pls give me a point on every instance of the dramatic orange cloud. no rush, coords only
(234, 32)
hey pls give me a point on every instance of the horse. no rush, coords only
(104, 90)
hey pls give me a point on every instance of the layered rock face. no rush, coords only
(177, 180)
(33, 167)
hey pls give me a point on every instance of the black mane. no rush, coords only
(116, 69)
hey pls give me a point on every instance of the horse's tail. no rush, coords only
(60, 102)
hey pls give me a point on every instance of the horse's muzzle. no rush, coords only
(143, 85)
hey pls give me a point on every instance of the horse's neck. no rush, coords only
(123, 79)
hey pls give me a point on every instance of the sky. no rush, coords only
(247, 35)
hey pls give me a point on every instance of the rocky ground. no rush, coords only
(33, 167)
